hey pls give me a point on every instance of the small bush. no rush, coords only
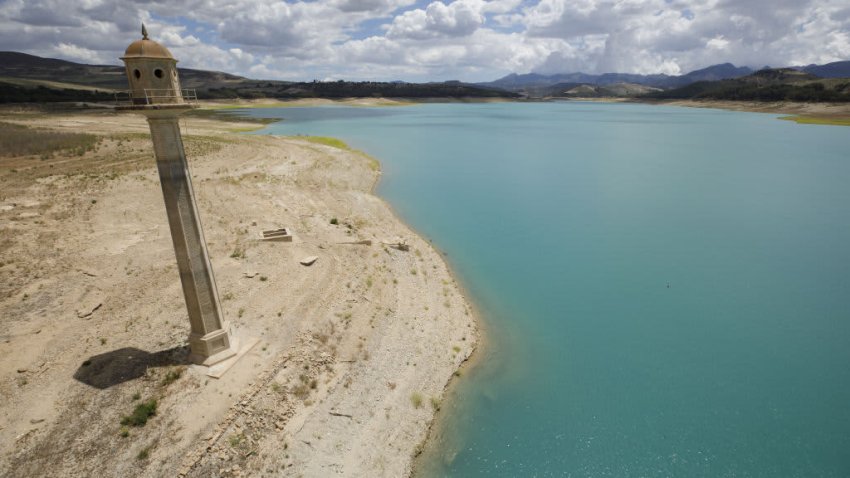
(141, 414)
(334, 221)
(144, 454)
(237, 440)
(172, 376)
(416, 399)
(301, 391)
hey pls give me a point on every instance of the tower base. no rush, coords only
(211, 348)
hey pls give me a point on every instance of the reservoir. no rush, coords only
(665, 290)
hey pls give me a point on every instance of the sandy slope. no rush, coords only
(348, 346)
(821, 110)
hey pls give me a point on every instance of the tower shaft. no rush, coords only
(208, 340)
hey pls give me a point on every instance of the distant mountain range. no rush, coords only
(537, 83)
(29, 78)
(514, 82)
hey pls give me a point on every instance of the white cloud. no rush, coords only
(74, 52)
(381, 7)
(445, 39)
(459, 18)
(657, 36)
(717, 43)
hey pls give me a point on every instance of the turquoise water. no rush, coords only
(568, 222)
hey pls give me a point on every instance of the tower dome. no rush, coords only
(146, 48)
(152, 72)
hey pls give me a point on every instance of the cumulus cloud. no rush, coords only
(374, 6)
(660, 36)
(459, 18)
(74, 52)
(437, 39)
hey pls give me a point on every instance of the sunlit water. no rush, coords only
(665, 289)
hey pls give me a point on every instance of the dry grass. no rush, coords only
(823, 120)
(374, 165)
(17, 140)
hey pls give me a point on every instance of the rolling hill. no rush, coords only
(838, 69)
(781, 84)
(29, 78)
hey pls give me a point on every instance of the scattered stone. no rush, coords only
(88, 311)
(397, 243)
(250, 275)
(309, 260)
(36, 421)
(22, 370)
(365, 242)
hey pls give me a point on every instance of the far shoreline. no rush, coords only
(802, 113)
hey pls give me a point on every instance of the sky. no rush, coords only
(423, 40)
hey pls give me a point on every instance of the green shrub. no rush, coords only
(416, 399)
(140, 414)
(172, 376)
(143, 455)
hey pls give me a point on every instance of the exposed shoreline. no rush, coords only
(827, 113)
(375, 334)
(806, 113)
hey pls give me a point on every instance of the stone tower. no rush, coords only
(155, 92)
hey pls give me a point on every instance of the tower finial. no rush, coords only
(144, 32)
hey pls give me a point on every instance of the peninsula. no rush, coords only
(355, 350)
